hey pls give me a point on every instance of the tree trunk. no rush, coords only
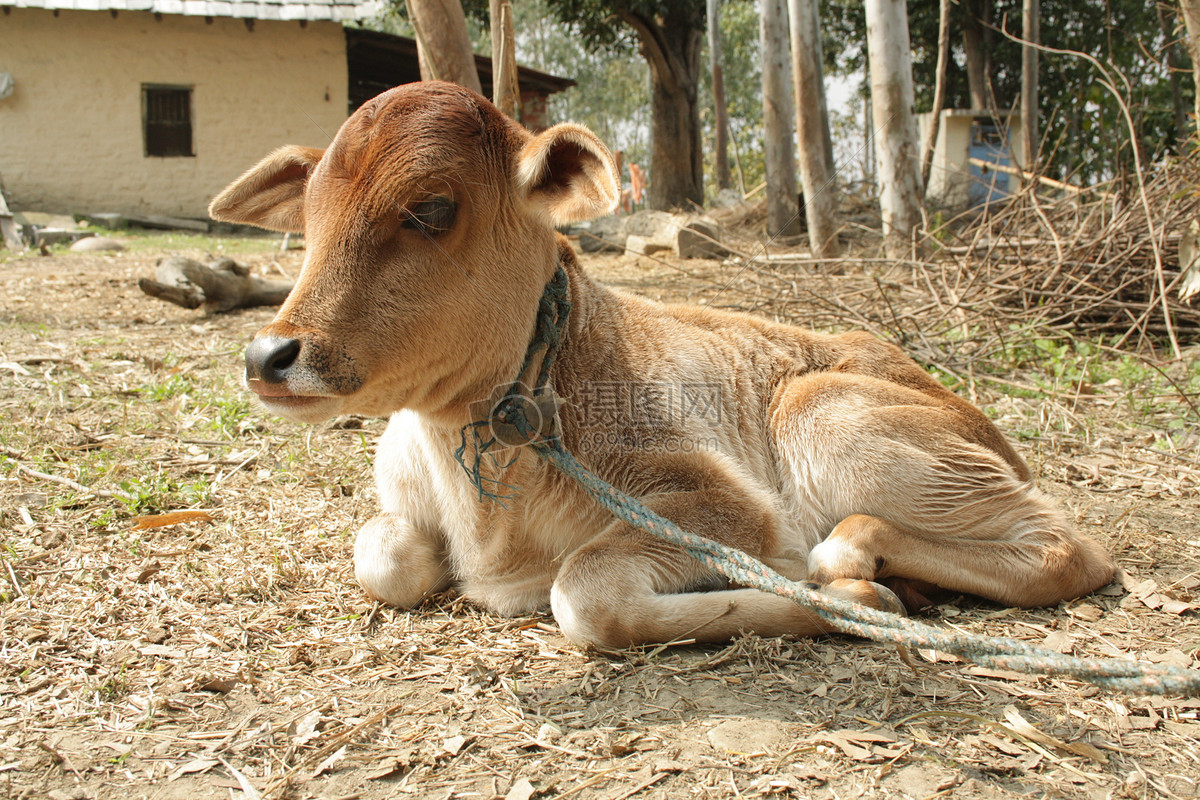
(10, 235)
(812, 129)
(506, 93)
(1167, 22)
(890, 59)
(783, 214)
(1031, 34)
(443, 45)
(671, 47)
(977, 52)
(720, 108)
(1190, 9)
(939, 92)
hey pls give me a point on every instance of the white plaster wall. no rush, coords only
(71, 134)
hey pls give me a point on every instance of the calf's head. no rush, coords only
(429, 228)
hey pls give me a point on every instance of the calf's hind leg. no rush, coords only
(1040, 568)
(924, 490)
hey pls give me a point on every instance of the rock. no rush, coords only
(602, 235)
(687, 235)
(651, 224)
(749, 736)
(94, 244)
(699, 238)
(644, 245)
(728, 198)
(922, 780)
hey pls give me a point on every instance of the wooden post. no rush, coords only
(812, 129)
(890, 59)
(443, 45)
(778, 112)
(506, 92)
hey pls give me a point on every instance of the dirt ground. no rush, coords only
(236, 657)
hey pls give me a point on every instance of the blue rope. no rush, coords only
(847, 617)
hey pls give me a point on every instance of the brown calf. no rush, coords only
(430, 230)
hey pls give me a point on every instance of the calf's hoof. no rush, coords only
(868, 593)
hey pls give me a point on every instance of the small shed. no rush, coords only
(970, 144)
(153, 106)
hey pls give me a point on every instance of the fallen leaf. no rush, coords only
(454, 744)
(194, 766)
(170, 518)
(1023, 727)
(1059, 641)
(243, 782)
(162, 651)
(387, 768)
(858, 744)
(1087, 613)
(305, 729)
(218, 685)
(807, 773)
(521, 790)
(145, 572)
(1177, 607)
(328, 764)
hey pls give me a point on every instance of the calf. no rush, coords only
(430, 235)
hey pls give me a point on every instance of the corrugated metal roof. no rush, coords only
(336, 10)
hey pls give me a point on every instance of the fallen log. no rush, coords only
(221, 285)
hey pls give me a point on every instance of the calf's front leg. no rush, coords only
(398, 562)
(626, 587)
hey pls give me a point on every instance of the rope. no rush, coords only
(852, 618)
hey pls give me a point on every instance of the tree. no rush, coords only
(1030, 17)
(669, 34)
(939, 92)
(812, 128)
(1190, 11)
(892, 114)
(1077, 117)
(720, 107)
(783, 217)
(443, 46)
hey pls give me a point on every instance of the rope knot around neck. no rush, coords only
(524, 414)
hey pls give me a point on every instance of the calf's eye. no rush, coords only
(432, 216)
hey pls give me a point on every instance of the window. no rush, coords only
(167, 120)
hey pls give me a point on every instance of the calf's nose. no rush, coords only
(268, 358)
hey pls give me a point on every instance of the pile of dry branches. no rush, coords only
(1096, 262)
(1104, 260)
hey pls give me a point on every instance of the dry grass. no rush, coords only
(236, 657)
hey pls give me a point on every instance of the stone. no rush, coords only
(94, 244)
(728, 198)
(606, 234)
(699, 238)
(749, 736)
(644, 246)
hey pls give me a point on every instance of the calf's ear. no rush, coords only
(568, 175)
(271, 193)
